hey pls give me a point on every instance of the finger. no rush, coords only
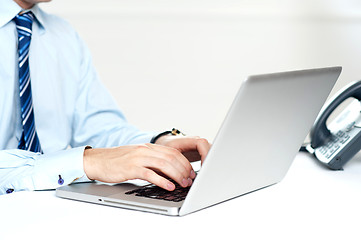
(203, 147)
(187, 144)
(152, 177)
(165, 167)
(176, 158)
(164, 160)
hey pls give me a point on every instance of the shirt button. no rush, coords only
(10, 190)
(60, 181)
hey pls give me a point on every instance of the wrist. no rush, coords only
(163, 139)
(88, 163)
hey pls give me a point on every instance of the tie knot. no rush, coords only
(24, 23)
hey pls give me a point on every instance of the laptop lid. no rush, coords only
(261, 134)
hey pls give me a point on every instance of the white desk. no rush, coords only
(310, 203)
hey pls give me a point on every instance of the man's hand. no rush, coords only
(149, 162)
(193, 148)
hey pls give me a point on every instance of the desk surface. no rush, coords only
(310, 203)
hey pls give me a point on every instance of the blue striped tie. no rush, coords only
(29, 138)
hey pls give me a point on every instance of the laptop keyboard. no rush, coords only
(155, 192)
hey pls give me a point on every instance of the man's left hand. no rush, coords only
(193, 148)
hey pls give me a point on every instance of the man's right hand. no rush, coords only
(147, 162)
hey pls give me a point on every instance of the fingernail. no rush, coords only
(170, 186)
(184, 182)
(193, 174)
(190, 182)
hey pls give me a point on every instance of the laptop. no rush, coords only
(253, 149)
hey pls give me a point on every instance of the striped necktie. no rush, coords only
(29, 138)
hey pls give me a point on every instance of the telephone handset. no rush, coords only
(336, 144)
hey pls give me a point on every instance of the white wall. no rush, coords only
(179, 63)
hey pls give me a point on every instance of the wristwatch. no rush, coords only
(173, 132)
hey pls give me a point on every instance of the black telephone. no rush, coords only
(336, 144)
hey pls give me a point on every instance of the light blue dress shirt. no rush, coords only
(72, 108)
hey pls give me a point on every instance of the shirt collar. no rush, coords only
(9, 9)
(39, 15)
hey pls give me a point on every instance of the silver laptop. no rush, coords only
(254, 148)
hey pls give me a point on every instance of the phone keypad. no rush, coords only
(339, 139)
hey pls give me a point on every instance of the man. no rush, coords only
(58, 122)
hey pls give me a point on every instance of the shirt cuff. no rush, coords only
(58, 169)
